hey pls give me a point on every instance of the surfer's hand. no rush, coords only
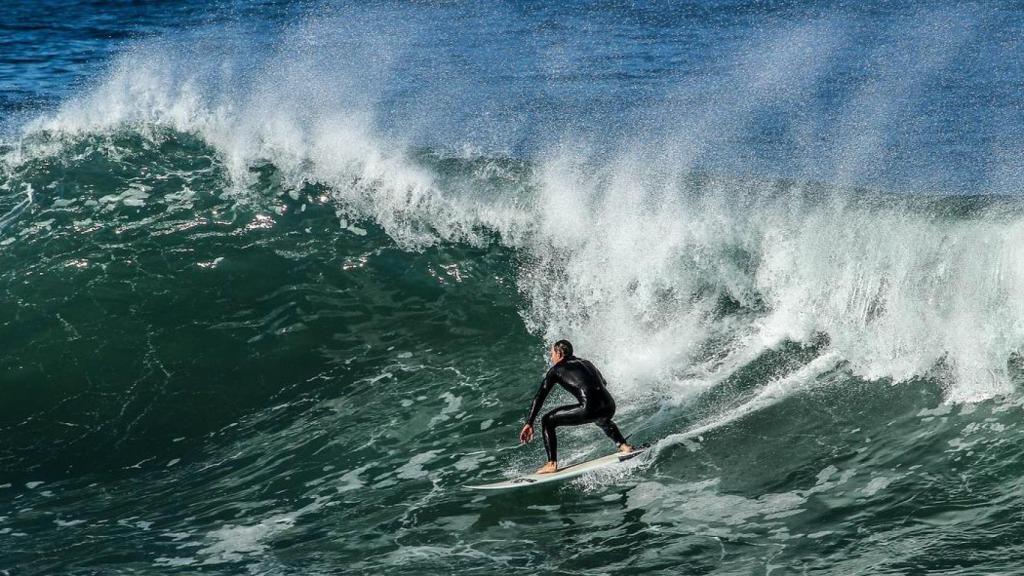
(526, 434)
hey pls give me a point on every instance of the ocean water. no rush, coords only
(277, 280)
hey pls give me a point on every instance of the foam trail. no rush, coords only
(713, 372)
(771, 394)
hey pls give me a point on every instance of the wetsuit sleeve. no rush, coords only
(542, 393)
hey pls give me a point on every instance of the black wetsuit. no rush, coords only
(581, 379)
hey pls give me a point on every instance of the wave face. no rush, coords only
(278, 280)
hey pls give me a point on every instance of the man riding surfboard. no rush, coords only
(594, 404)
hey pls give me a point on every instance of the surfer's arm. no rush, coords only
(542, 394)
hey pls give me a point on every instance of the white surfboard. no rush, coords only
(562, 473)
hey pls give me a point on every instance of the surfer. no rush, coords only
(594, 404)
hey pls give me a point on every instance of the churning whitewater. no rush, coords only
(278, 279)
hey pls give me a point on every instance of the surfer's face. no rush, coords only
(556, 356)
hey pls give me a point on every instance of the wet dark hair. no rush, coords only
(564, 348)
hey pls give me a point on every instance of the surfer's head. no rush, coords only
(560, 350)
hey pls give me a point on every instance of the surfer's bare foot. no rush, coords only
(625, 448)
(548, 468)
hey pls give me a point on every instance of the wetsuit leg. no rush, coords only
(602, 415)
(611, 430)
(569, 415)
